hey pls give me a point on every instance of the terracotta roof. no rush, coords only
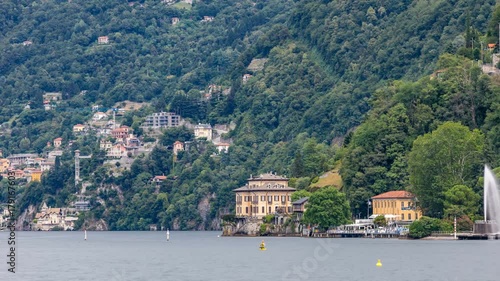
(161, 177)
(124, 129)
(268, 176)
(394, 194)
(58, 139)
(53, 210)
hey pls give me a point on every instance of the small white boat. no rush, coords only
(168, 235)
(85, 234)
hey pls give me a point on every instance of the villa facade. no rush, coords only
(264, 195)
(397, 205)
(203, 131)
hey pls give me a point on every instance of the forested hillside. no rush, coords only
(328, 64)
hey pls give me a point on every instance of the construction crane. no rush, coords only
(77, 166)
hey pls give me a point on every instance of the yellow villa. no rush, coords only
(396, 205)
(4, 165)
(36, 175)
(264, 195)
(203, 131)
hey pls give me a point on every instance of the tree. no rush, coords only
(300, 194)
(461, 200)
(451, 155)
(327, 207)
(380, 221)
(25, 144)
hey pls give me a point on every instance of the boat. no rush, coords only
(168, 235)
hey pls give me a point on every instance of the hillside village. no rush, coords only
(121, 147)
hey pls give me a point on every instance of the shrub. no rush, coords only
(268, 218)
(380, 221)
(263, 229)
(425, 226)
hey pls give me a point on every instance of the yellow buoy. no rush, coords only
(262, 246)
(379, 264)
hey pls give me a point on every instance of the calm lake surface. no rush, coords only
(124, 256)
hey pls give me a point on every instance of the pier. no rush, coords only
(358, 234)
(477, 236)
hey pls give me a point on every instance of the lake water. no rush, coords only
(190, 256)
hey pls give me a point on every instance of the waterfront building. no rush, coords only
(264, 195)
(299, 207)
(397, 205)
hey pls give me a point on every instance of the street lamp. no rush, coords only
(368, 204)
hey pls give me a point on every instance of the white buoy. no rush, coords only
(168, 235)
(85, 234)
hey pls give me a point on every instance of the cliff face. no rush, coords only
(242, 228)
(26, 218)
(95, 225)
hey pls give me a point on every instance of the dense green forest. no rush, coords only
(346, 84)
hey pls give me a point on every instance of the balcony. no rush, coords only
(407, 208)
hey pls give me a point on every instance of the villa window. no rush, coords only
(270, 199)
(246, 210)
(402, 204)
(262, 198)
(409, 217)
(416, 216)
(276, 198)
(269, 209)
(402, 217)
(263, 209)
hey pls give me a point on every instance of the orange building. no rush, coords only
(400, 205)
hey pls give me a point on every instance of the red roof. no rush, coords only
(394, 194)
